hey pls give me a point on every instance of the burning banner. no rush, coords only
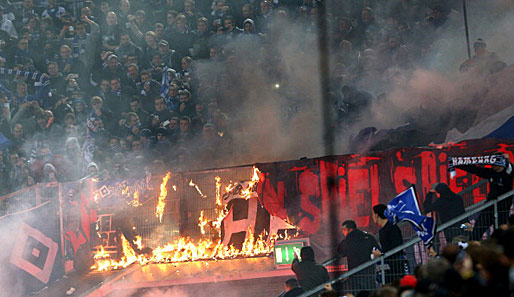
(238, 226)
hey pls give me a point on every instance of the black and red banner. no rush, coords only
(307, 191)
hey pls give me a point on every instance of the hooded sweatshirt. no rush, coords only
(448, 206)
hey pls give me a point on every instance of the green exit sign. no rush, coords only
(284, 250)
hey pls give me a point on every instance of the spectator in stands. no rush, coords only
(6, 25)
(169, 57)
(357, 247)
(390, 237)
(447, 206)
(309, 273)
(201, 38)
(179, 37)
(127, 48)
(483, 62)
(54, 11)
(111, 33)
(292, 288)
(500, 182)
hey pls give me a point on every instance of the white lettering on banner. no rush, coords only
(230, 226)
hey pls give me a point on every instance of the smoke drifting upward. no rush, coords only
(435, 97)
(272, 94)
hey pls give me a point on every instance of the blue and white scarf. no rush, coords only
(497, 160)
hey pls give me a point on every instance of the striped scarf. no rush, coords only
(41, 79)
(497, 160)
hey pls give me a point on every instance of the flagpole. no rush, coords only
(465, 12)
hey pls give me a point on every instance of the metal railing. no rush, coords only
(476, 208)
(402, 224)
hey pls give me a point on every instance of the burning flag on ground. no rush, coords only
(33, 259)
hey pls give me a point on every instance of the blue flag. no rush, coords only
(405, 207)
(165, 82)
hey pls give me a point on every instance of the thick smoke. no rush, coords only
(437, 96)
(273, 95)
(272, 124)
(9, 231)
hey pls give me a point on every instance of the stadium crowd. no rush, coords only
(111, 87)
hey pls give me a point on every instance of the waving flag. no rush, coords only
(405, 207)
(166, 80)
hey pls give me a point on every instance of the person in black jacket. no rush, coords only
(390, 237)
(357, 248)
(448, 206)
(292, 288)
(500, 182)
(309, 273)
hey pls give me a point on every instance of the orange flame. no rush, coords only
(186, 249)
(202, 222)
(138, 242)
(125, 191)
(246, 193)
(103, 262)
(218, 190)
(192, 184)
(159, 211)
(135, 201)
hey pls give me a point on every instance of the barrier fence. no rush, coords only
(94, 213)
(389, 267)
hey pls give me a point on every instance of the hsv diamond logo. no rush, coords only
(34, 253)
(104, 191)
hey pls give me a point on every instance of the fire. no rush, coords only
(135, 201)
(246, 193)
(192, 184)
(244, 190)
(218, 190)
(187, 249)
(159, 211)
(125, 191)
(202, 222)
(103, 262)
(138, 242)
(221, 216)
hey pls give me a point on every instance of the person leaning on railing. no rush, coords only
(500, 182)
(448, 205)
(357, 248)
(390, 237)
(309, 273)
